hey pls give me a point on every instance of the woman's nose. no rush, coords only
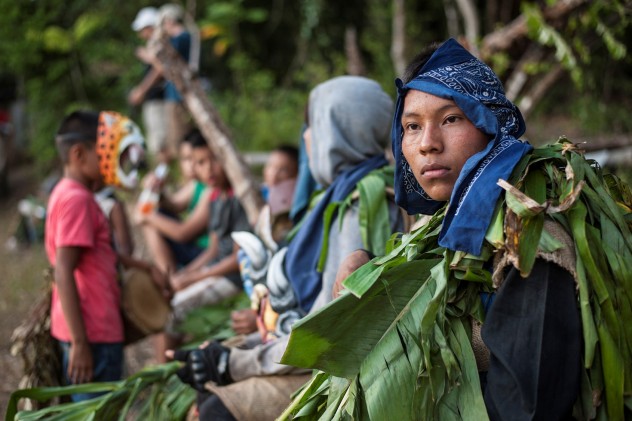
(431, 140)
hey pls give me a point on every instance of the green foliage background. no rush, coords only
(265, 56)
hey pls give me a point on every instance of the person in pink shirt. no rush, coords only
(85, 309)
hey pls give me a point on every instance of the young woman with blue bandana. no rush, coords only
(414, 348)
(454, 135)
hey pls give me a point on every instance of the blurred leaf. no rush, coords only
(210, 30)
(57, 39)
(86, 25)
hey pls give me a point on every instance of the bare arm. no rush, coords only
(228, 264)
(159, 278)
(225, 266)
(182, 231)
(205, 257)
(137, 95)
(349, 265)
(121, 230)
(179, 201)
(80, 364)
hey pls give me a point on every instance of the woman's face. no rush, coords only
(438, 139)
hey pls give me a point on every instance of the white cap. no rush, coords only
(147, 16)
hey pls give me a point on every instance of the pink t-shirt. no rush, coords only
(75, 220)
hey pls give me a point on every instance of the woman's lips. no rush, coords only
(434, 171)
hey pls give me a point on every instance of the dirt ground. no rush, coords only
(22, 283)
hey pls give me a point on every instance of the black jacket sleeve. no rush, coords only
(533, 332)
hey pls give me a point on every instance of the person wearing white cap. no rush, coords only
(151, 90)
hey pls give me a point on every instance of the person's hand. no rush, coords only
(151, 182)
(161, 280)
(349, 265)
(144, 55)
(244, 321)
(139, 217)
(135, 97)
(201, 365)
(80, 364)
(179, 280)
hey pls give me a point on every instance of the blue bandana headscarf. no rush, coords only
(453, 73)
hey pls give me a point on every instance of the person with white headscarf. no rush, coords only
(348, 129)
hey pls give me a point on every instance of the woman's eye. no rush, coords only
(412, 127)
(452, 119)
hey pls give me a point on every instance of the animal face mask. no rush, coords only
(120, 146)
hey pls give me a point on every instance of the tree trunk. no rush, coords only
(210, 124)
(528, 101)
(398, 41)
(519, 77)
(451, 18)
(604, 142)
(504, 38)
(355, 64)
(491, 15)
(471, 23)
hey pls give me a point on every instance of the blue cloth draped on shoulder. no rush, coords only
(303, 252)
(305, 183)
(453, 73)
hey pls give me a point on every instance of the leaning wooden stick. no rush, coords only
(209, 122)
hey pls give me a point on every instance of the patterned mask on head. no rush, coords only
(120, 146)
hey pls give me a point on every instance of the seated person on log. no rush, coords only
(279, 181)
(174, 243)
(214, 274)
(349, 120)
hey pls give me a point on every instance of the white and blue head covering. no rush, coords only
(453, 73)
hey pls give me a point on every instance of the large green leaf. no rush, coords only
(374, 218)
(422, 366)
(397, 378)
(169, 397)
(360, 324)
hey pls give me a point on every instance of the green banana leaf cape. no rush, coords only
(398, 346)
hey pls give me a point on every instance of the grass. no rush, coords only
(21, 278)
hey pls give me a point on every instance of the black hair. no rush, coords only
(195, 139)
(77, 127)
(418, 62)
(289, 150)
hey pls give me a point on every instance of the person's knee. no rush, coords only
(213, 409)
